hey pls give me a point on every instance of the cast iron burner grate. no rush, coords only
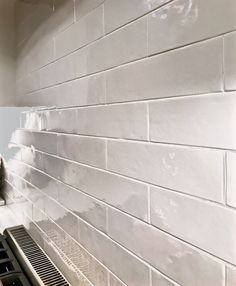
(37, 267)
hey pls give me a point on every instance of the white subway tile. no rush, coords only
(47, 75)
(205, 120)
(62, 70)
(83, 32)
(209, 226)
(183, 22)
(65, 69)
(62, 217)
(122, 46)
(119, 121)
(118, 13)
(83, 7)
(85, 207)
(85, 91)
(230, 276)
(230, 61)
(91, 151)
(123, 264)
(231, 179)
(198, 172)
(53, 166)
(40, 55)
(32, 120)
(32, 157)
(45, 97)
(44, 183)
(33, 82)
(117, 191)
(115, 281)
(61, 121)
(180, 72)
(46, 142)
(160, 280)
(172, 257)
(22, 137)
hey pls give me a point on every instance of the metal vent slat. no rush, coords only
(40, 269)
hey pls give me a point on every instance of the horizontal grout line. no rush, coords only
(146, 100)
(41, 109)
(127, 140)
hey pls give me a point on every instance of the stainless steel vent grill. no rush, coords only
(39, 268)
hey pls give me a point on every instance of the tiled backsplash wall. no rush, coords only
(130, 178)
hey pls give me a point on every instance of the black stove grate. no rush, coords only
(40, 270)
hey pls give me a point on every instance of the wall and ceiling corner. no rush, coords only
(126, 176)
(7, 53)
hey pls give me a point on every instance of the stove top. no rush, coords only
(11, 273)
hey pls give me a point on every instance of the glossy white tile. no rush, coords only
(125, 194)
(184, 22)
(198, 222)
(118, 13)
(84, 206)
(81, 33)
(230, 61)
(205, 120)
(119, 121)
(198, 172)
(230, 275)
(231, 180)
(87, 150)
(176, 73)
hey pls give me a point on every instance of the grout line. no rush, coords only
(108, 279)
(147, 35)
(149, 204)
(225, 171)
(223, 64)
(106, 154)
(103, 20)
(225, 273)
(107, 220)
(128, 140)
(136, 100)
(74, 12)
(150, 277)
(148, 122)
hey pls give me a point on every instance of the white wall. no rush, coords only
(7, 53)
